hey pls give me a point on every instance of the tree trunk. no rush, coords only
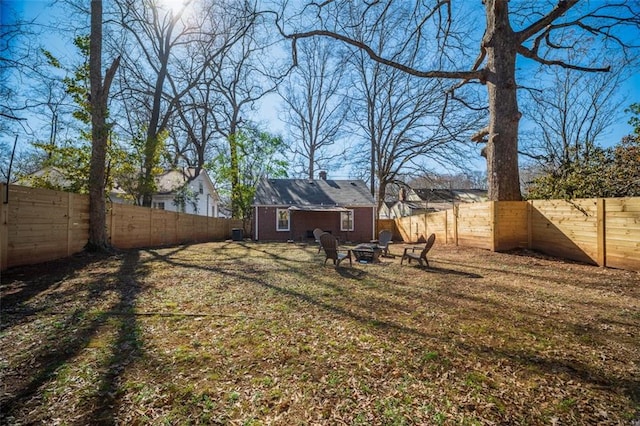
(99, 132)
(153, 135)
(236, 195)
(310, 166)
(504, 116)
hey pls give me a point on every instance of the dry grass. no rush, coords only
(251, 334)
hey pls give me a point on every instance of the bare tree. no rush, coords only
(399, 119)
(18, 58)
(316, 106)
(398, 115)
(159, 68)
(536, 31)
(99, 131)
(569, 115)
(28, 87)
(241, 77)
(193, 132)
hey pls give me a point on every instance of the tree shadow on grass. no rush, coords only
(572, 369)
(447, 271)
(22, 284)
(125, 349)
(351, 273)
(68, 337)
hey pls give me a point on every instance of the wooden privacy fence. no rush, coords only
(603, 231)
(38, 225)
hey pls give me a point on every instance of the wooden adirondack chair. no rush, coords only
(384, 238)
(330, 245)
(420, 257)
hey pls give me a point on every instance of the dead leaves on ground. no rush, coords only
(253, 334)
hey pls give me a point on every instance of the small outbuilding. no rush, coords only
(290, 209)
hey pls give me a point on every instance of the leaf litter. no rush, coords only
(264, 333)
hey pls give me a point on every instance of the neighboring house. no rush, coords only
(201, 196)
(385, 210)
(49, 177)
(425, 200)
(290, 209)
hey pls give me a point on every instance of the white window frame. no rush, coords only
(278, 213)
(350, 217)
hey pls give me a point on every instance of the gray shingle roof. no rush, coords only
(305, 192)
(447, 195)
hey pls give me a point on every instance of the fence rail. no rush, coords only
(603, 231)
(38, 225)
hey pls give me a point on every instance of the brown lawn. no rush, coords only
(253, 334)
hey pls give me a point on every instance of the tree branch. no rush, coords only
(560, 9)
(468, 75)
(534, 56)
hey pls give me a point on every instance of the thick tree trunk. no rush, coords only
(97, 202)
(504, 116)
(99, 132)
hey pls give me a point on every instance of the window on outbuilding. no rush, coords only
(282, 219)
(346, 220)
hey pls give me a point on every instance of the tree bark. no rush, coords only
(98, 239)
(504, 116)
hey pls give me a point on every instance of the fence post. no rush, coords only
(601, 240)
(446, 227)
(529, 224)
(150, 227)
(426, 229)
(69, 222)
(4, 227)
(111, 228)
(494, 225)
(176, 238)
(455, 224)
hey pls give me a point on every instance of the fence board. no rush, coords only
(622, 233)
(39, 225)
(511, 225)
(566, 228)
(475, 225)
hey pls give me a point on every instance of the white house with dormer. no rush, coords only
(200, 196)
(197, 191)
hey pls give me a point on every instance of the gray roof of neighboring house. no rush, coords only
(313, 193)
(447, 195)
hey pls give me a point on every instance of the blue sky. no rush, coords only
(39, 9)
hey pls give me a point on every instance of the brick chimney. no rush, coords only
(323, 175)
